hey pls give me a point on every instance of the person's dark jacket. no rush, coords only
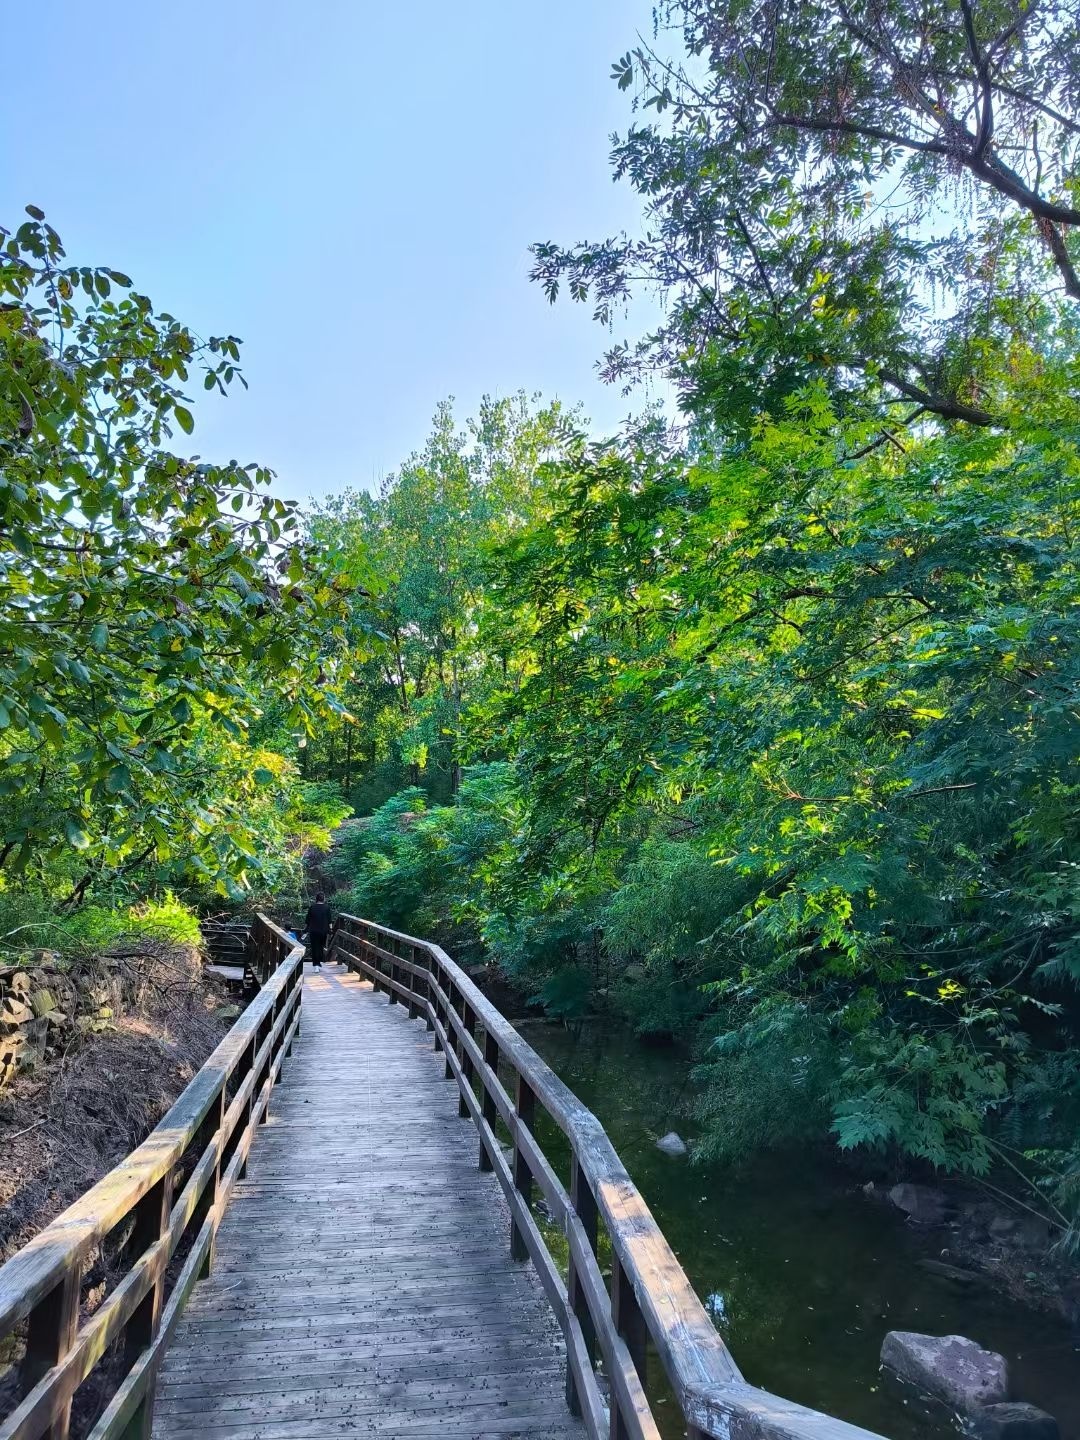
(317, 921)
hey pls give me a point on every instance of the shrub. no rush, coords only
(34, 921)
(767, 1085)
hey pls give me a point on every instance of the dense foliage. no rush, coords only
(760, 730)
(773, 717)
(416, 551)
(165, 634)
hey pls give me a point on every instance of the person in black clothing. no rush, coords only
(317, 925)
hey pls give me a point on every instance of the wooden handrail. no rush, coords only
(650, 1300)
(200, 1148)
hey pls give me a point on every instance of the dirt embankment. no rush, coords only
(92, 1054)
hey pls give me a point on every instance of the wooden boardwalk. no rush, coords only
(311, 1244)
(363, 1283)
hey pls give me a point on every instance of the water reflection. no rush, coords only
(801, 1277)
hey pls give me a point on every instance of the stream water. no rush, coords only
(802, 1278)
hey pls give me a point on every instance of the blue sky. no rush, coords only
(349, 187)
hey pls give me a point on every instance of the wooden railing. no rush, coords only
(649, 1304)
(154, 1219)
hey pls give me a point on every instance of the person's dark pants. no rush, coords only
(317, 948)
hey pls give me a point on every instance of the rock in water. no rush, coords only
(951, 1367)
(672, 1144)
(1013, 1422)
(920, 1203)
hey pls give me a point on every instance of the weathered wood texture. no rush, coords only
(363, 1283)
(155, 1216)
(368, 1279)
(649, 1303)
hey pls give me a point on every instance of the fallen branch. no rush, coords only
(25, 1131)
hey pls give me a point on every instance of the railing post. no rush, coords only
(151, 1223)
(630, 1323)
(487, 1102)
(244, 1070)
(414, 1006)
(50, 1335)
(368, 946)
(523, 1179)
(298, 986)
(391, 993)
(267, 1069)
(275, 1013)
(468, 1019)
(436, 1005)
(584, 1202)
(448, 1026)
(214, 1121)
(429, 964)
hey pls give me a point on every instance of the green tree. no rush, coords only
(424, 538)
(152, 603)
(883, 195)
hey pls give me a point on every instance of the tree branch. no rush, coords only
(745, 233)
(985, 132)
(1055, 243)
(871, 132)
(942, 405)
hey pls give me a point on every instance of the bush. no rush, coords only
(767, 1085)
(165, 919)
(315, 810)
(461, 874)
(668, 928)
(34, 921)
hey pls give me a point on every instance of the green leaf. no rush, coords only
(99, 635)
(184, 418)
(76, 835)
(118, 779)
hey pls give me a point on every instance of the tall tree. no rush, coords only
(426, 537)
(886, 195)
(150, 603)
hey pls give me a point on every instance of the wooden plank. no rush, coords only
(363, 1277)
(653, 1298)
(742, 1412)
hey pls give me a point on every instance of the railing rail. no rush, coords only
(166, 1239)
(650, 1300)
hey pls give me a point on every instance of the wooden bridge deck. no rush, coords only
(331, 1256)
(363, 1283)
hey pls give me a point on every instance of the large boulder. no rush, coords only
(672, 1144)
(949, 1367)
(920, 1203)
(1014, 1421)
